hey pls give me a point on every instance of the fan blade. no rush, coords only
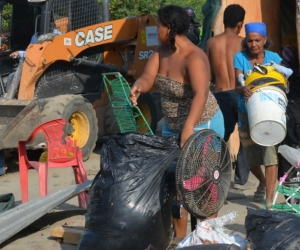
(214, 192)
(196, 181)
(193, 183)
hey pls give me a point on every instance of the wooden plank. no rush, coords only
(68, 235)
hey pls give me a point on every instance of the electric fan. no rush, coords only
(203, 173)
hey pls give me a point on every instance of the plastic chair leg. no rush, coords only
(42, 170)
(24, 182)
(81, 201)
(43, 178)
(82, 170)
(23, 168)
(78, 179)
(77, 175)
(84, 179)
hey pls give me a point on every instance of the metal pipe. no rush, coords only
(2, 86)
(14, 86)
(1, 15)
(105, 6)
(17, 218)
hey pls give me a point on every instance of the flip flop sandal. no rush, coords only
(174, 242)
(259, 195)
(267, 207)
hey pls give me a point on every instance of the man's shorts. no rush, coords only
(228, 102)
(255, 154)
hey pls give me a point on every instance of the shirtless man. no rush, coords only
(220, 51)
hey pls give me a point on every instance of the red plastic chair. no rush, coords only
(62, 152)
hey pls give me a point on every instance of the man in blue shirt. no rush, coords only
(22, 53)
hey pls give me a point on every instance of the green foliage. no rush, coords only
(195, 4)
(6, 17)
(121, 9)
(125, 8)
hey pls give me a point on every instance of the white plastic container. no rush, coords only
(266, 113)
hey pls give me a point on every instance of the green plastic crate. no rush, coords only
(125, 113)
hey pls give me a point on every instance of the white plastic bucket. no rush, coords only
(266, 113)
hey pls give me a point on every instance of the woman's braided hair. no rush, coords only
(176, 18)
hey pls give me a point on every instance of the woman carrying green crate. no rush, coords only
(180, 71)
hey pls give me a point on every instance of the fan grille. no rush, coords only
(203, 173)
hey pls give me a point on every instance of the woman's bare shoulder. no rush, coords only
(197, 54)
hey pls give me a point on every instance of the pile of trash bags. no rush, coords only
(272, 230)
(131, 197)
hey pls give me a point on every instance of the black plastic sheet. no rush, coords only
(7, 201)
(213, 247)
(272, 230)
(131, 197)
(206, 247)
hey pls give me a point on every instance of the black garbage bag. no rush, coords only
(213, 247)
(131, 199)
(272, 230)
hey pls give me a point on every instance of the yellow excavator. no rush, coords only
(60, 75)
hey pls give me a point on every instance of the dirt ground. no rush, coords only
(37, 235)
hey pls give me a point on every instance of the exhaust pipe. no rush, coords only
(105, 5)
